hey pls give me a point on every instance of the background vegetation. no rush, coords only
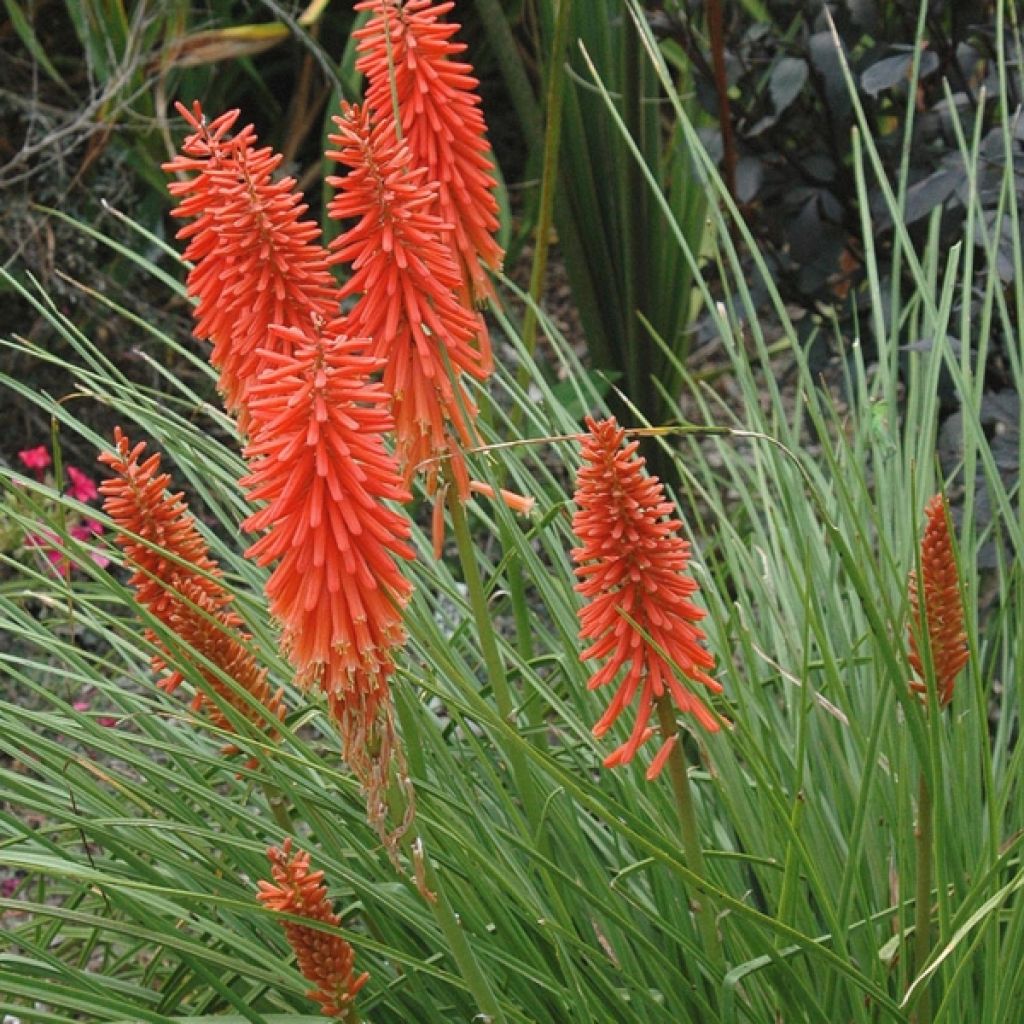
(823, 301)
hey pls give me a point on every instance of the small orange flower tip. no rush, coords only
(661, 758)
(195, 118)
(941, 613)
(632, 571)
(517, 502)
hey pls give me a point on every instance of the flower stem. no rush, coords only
(923, 896)
(448, 921)
(430, 888)
(554, 92)
(278, 808)
(489, 648)
(689, 831)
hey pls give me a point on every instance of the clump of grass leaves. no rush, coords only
(138, 845)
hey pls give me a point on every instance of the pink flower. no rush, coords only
(36, 458)
(49, 544)
(85, 531)
(81, 487)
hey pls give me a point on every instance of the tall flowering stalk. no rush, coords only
(256, 262)
(632, 568)
(937, 613)
(940, 615)
(175, 578)
(407, 279)
(301, 385)
(415, 80)
(326, 960)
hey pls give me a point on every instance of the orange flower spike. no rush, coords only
(138, 500)
(256, 263)
(632, 568)
(326, 960)
(182, 591)
(317, 459)
(441, 120)
(943, 613)
(407, 279)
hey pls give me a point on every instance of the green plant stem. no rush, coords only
(489, 648)
(689, 831)
(448, 921)
(278, 808)
(923, 896)
(429, 883)
(549, 177)
(506, 52)
(716, 33)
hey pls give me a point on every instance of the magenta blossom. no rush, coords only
(81, 487)
(36, 458)
(50, 545)
(85, 531)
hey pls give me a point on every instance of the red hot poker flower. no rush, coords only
(632, 570)
(256, 263)
(327, 960)
(181, 588)
(318, 460)
(942, 613)
(407, 280)
(441, 120)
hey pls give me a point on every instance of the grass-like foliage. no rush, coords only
(845, 847)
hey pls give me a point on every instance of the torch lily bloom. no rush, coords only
(407, 280)
(175, 578)
(632, 568)
(327, 960)
(940, 615)
(317, 461)
(256, 263)
(407, 46)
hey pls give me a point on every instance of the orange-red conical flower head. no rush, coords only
(406, 279)
(328, 961)
(632, 568)
(407, 44)
(940, 615)
(317, 460)
(256, 262)
(179, 583)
